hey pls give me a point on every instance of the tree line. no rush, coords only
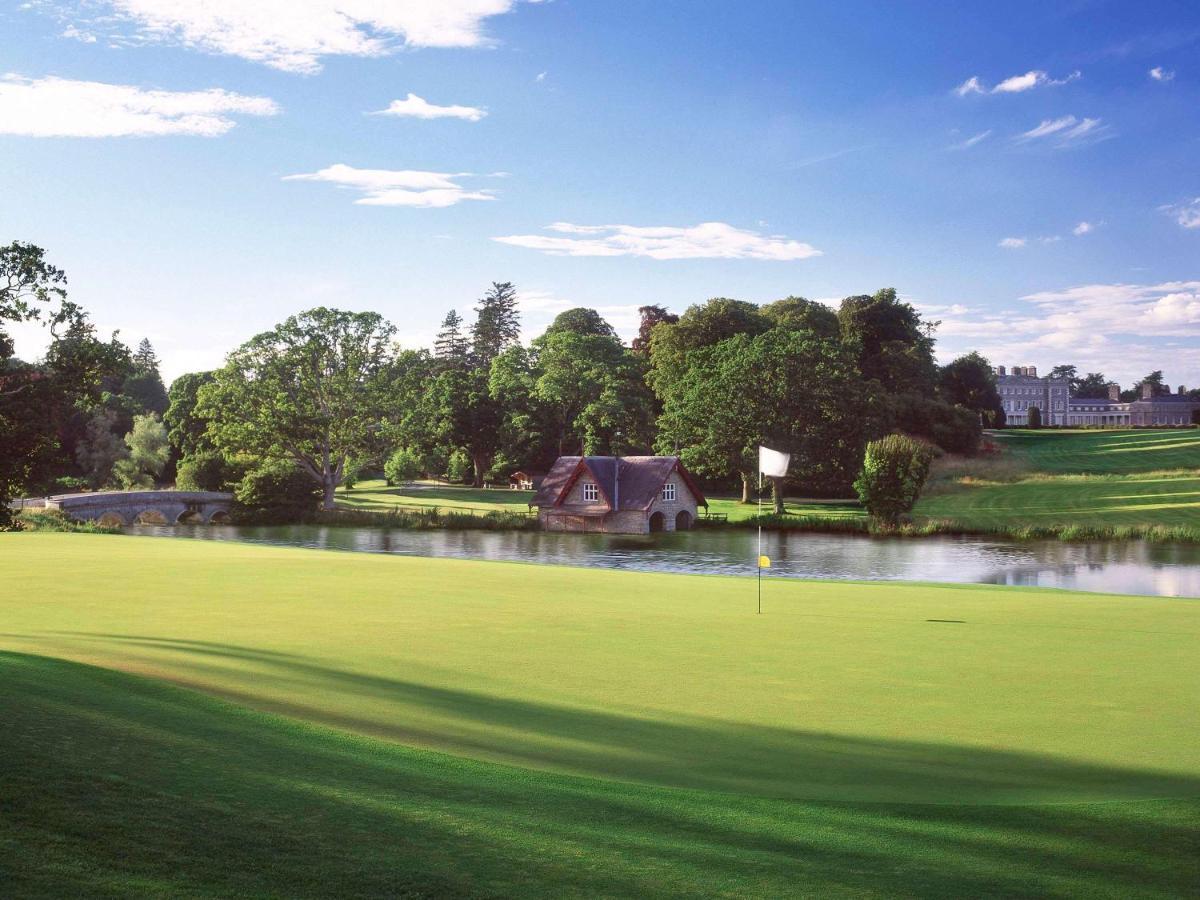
(328, 395)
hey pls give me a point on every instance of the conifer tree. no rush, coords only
(497, 323)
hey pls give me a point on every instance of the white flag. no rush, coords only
(772, 463)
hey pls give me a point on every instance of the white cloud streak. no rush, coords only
(295, 35)
(416, 107)
(1158, 73)
(972, 141)
(59, 107)
(1015, 84)
(709, 240)
(1066, 131)
(1083, 228)
(397, 187)
(1012, 243)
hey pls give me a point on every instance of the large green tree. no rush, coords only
(894, 343)
(702, 325)
(186, 428)
(970, 382)
(497, 323)
(790, 390)
(144, 384)
(311, 390)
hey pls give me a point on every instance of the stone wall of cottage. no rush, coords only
(624, 522)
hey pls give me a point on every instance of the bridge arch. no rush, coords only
(111, 519)
(219, 517)
(190, 517)
(150, 516)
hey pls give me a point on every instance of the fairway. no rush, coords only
(653, 717)
(1113, 479)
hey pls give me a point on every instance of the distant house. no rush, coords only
(625, 495)
(525, 481)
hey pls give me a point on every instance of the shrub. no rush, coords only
(894, 471)
(1035, 417)
(459, 468)
(275, 493)
(953, 428)
(402, 466)
(206, 470)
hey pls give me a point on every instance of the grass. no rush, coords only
(377, 497)
(370, 725)
(1098, 482)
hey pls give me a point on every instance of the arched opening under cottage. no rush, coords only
(683, 521)
(658, 522)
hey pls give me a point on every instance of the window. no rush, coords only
(591, 491)
(668, 491)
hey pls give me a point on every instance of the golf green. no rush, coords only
(595, 731)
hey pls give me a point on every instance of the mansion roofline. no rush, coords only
(1021, 389)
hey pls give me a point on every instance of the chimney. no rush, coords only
(1000, 371)
(1032, 371)
(1147, 391)
(1182, 390)
(1114, 392)
(1016, 370)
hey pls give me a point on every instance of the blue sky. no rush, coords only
(1027, 173)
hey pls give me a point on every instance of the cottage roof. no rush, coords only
(641, 479)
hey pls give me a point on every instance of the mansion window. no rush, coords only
(591, 491)
(668, 491)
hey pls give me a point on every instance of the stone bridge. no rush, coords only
(145, 507)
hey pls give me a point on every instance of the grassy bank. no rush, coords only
(1082, 482)
(447, 727)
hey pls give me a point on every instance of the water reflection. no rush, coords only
(1125, 568)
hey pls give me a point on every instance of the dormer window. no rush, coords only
(668, 491)
(591, 491)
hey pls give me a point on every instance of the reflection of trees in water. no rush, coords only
(1131, 567)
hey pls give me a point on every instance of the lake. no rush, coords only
(1125, 568)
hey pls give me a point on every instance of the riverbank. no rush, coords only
(478, 728)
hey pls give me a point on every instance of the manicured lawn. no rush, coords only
(1093, 452)
(1095, 478)
(450, 727)
(377, 496)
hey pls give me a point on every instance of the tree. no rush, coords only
(1034, 417)
(309, 391)
(451, 345)
(582, 321)
(497, 323)
(275, 492)
(187, 430)
(895, 345)
(651, 316)
(144, 384)
(1070, 373)
(149, 450)
(207, 470)
(99, 453)
(461, 414)
(789, 390)
(970, 382)
(31, 289)
(1092, 386)
(402, 466)
(702, 325)
(799, 314)
(894, 471)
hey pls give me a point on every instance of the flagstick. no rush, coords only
(759, 554)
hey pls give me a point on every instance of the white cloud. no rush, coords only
(1015, 84)
(709, 240)
(59, 107)
(1187, 214)
(1012, 243)
(971, 86)
(416, 107)
(972, 141)
(397, 187)
(1099, 327)
(294, 35)
(1066, 130)
(1083, 228)
(541, 76)
(1158, 73)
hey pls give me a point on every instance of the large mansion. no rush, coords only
(1021, 390)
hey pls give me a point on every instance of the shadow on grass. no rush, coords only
(114, 784)
(685, 752)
